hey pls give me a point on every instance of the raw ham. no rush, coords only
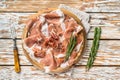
(52, 15)
(30, 41)
(35, 29)
(52, 18)
(59, 61)
(72, 58)
(38, 52)
(29, 24)
(49, 60)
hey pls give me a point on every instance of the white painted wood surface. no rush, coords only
(86, 5)
(109, 22)
(76, 73)
(104, 13)
(108, 53)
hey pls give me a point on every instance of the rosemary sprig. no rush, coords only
(71, 45)
(94, 48)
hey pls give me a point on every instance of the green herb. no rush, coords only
(95, 46)
(70, 47)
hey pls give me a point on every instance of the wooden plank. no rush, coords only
(76, 73)
(86, 5)
(9, 60)
(108, 53)
(109, 22)
(6, 53)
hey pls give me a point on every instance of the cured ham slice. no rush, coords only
(49, 60)
(52, 15)
(59, 61)
(30, 41)
(35, 29)
(72, 58)
(29, 24)
(52, 18)
(38, 52)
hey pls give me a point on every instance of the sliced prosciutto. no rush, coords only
(48, 38)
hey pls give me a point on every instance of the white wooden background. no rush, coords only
(104, 13)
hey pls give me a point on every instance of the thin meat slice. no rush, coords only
(35, 29)
(38, 52)
(52, 15)
(58, 29)
(68, 33)
(72, 58)
(70, 27)
(29, 24)
(49, 60)
(51, 28)
(55, 29)
(59, 61)
(70, 22)
(49, 42)
(54, 35)
(64, 45)
(79, 39)
(52, 41)
(53, 20)
(30, 41)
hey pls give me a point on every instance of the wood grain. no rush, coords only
(104, 13)
(85, 5)
(108, 53)
(109, 22)
(77, 73)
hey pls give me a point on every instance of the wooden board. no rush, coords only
(82, 35)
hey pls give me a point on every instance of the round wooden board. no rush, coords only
(82, 34)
